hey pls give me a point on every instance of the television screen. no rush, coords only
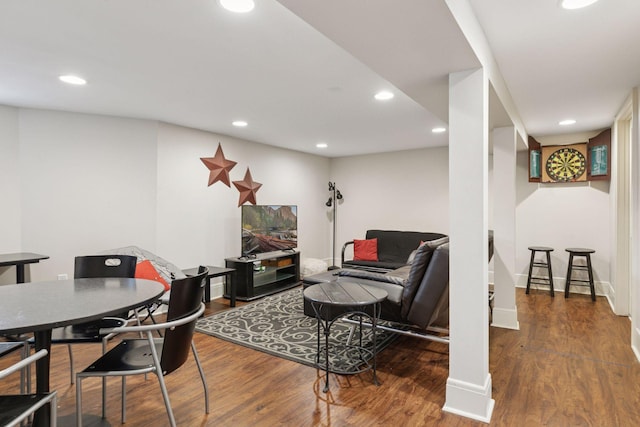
(269, 228)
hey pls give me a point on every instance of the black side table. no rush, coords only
(334, 300)
(216, 272)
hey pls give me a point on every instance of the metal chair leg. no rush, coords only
(53, 421)
(163, 386)
(73, 374)
(104, 383)
(204, 381)
(79, 402)
(123, 403)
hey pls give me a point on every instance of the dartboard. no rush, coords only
(565, 164)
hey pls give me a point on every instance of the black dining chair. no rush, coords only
(86, 267)
(160, 356)
(8, 347)
(16, 408)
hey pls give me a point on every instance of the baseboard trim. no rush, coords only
(217, 290)
(601, 288)
(635, 341)
(469, 400)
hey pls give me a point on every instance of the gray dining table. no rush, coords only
(39, 307)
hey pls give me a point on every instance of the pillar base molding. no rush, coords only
(505, 318)
(469, 400)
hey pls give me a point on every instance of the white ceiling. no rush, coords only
(305, 71)
(560, 64)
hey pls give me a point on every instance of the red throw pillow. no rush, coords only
(145, 270)
(365, 250)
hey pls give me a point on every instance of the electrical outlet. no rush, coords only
(63, 276)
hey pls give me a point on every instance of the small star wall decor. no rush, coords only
(219, 167)
(247, 188)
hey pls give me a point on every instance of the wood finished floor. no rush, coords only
(570, 364)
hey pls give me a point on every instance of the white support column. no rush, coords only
(469, 382)
(505, 312)
(635, 221)
(620, 259)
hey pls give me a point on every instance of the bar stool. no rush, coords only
(540, 280)
(585, 252)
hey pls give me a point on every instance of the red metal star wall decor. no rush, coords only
(219, 167)
(247, 188)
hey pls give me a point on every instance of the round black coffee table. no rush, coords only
(334, 300)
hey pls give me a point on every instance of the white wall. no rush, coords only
(387, 191)
(84, 183)
(10, 184)
(69, 180)
(403, 190)
(635, 221)
(562, 216)
(88, 183)
(198, 224)
(10, 237)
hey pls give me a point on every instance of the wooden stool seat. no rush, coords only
(540, 280)
(584, 252)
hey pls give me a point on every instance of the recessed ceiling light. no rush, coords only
(240, 123)
(238, 6)
(321, 145)
(384, 95)
(74, 80)
(576, 4)
(438, 130)
(567, 122)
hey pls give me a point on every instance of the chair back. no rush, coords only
(91, 266)
(185, 299)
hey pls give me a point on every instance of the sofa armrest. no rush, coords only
(429, 300)
(378, 277)
(343, 249)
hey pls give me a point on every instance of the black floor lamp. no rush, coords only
(333, 201)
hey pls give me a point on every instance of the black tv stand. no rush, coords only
(264, 274)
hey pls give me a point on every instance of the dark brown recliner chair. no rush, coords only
(418, 293)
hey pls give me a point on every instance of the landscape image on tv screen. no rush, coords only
(269, 228)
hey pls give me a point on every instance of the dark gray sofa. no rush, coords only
(394, 248)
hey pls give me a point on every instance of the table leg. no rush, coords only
(318, 320)
(19, 273)
(326, 327)
(43, 341)
(327, 331)
(232, 289)
(376, 314)
(207, 289)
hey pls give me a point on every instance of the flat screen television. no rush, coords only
(269, 228)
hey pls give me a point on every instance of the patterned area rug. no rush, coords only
(277, 325)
